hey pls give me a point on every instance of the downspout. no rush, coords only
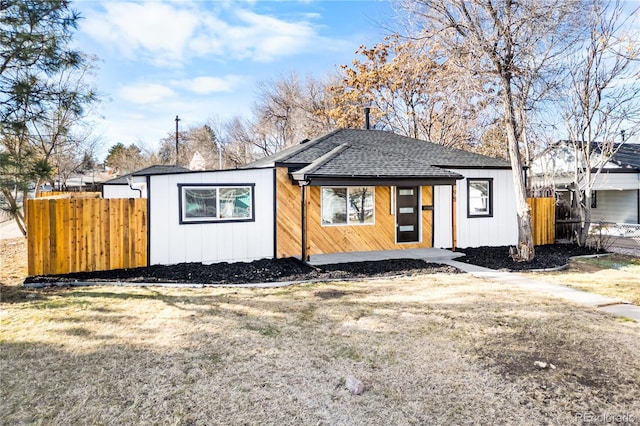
(148, 219)
(130, 181)
(303, 219)
(454, 229)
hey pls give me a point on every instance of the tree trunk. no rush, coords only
(584, 229)
(585, 218)
(525, 250)
(14, 210)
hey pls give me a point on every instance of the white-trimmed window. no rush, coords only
(348, 205)
(216, 203)
(480, 197)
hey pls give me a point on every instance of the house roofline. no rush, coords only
(475, 167)
(319, 162)
(378, 181)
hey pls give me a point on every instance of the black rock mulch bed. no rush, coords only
(259, 271)
(547, 257)
(291, 269)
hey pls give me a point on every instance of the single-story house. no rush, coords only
(349, 190)
(616, 189)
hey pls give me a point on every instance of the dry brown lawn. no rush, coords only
(430, 349)
(616, 276)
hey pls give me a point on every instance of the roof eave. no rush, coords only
(324, 180)
(467, 167)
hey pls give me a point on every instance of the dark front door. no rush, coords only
(407, 215)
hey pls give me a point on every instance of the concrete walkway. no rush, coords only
(603, 303)
(434, 255)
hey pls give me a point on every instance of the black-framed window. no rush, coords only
(348, 205)
(209, 203)
(594, 199)
(480, 197)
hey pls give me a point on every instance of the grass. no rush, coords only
(429, 349)
(615, 276)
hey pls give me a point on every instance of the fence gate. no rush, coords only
(543, 220)
(80, 235)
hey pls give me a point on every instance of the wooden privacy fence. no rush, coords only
(79, 234)
(543, 214)
(60, 194)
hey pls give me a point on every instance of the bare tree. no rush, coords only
(201, 140)
(79, 157)
(287, 111)
(408, 87)
(505, 41)
(240, 144)
(602, 102)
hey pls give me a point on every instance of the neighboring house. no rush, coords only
(349, 190)
(134, 185)
(616, 189)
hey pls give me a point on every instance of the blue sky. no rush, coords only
(203, 59)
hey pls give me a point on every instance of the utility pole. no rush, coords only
(177, 150)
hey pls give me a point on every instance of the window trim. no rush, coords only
(182, 187)
(489, 181)
(348, 222)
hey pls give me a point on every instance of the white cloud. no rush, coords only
(147, 125)
(208, 85)
(267, 37)
(157, 31)
(169, 34)
(145, 93)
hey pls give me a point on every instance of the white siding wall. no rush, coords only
(171, 242)
(123, 191)
(616, 206)
(499, 230)
(617, 181)
(442, 217)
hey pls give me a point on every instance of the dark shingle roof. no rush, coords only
(627, 155)
(359, 161)
(148, 171)
(377, 153)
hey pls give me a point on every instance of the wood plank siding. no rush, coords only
(337, 238)
(288, 219)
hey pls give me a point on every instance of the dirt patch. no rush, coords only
(13, 260)
(583, 267)
(13, 269)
